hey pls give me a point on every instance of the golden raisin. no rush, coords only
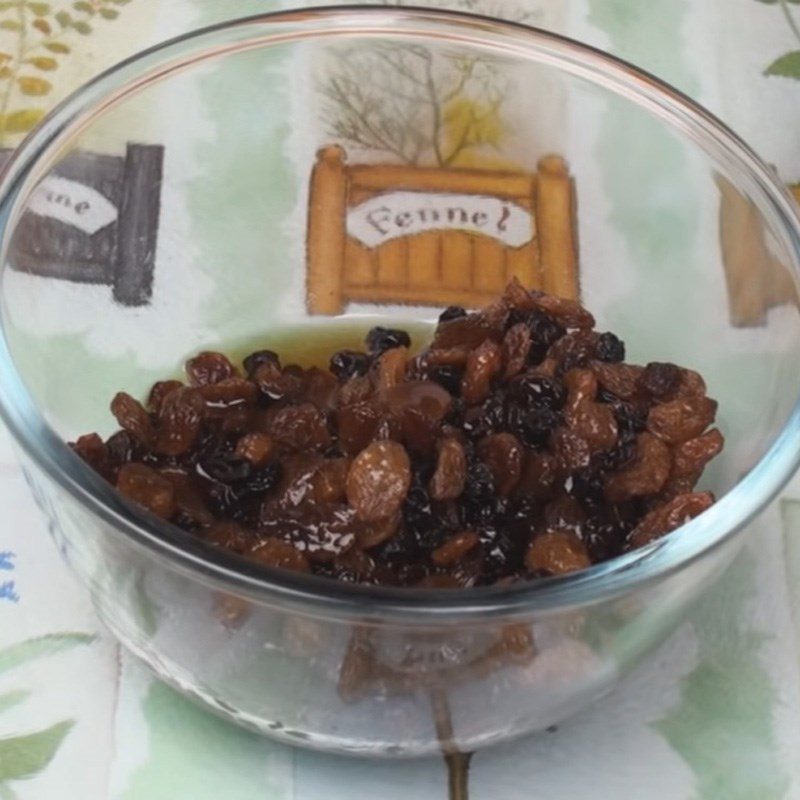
(448, 480)
(670, 516)
(557, 552)
(378, 480)
(209, 367)
(276, 553)
(132, 417)
(483, 364)
(454, 549)
(255, 447)
(516, 346)
(681, 419)
(145, 486)
(645, 474)
(503, 454)
(179, 421)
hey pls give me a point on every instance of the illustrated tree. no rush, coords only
(415, 104)
(42, 35)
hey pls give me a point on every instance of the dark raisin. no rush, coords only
(502, 554)
(225, 468)
(264, 479)
(586, 485)
(348, 364)
(532, 426)
(544, 329)
(479, 483)
(452, 312)
(630, 417)
(379, 340)
(420, 520)
(120, 447)
(448, 376)
(610, 348)
(619, 455)
(660, 379)
(538, 391)
(255, 360)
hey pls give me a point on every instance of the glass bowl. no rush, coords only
(219, 191)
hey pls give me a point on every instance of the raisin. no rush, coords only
(568, 313)
(357, 426)
(691, 456)
(132, 417)
(660, 380)
(229, 535)
(454, 549)
(594, 423)
(264, 479)
(680, 420)
(179, 421)
(378, 480)
(120, 447)
(452, 312)
(570, 450)
(148, 488)
(209, 367)
(255, 360)
(483, 364)
(610, 348)
(159, 391)
(468, 332)
(379, 340)
(299, 428)
(502, 453)
(621, 380)
(280, 554)
(516, 346)
(557, 553)
(450, 476)
(538, 474)
(392, 368)
(532, 426)
(347, 364)
(670, 516)
(646, 474)
(92, 449)
(449, 377)
(255, 447)
(229, 392)
(225, 468)
(276, 384)
(538, 391)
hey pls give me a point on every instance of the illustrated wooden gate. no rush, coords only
(121, 252)
(428, 236)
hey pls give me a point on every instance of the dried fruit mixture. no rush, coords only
(518, 444)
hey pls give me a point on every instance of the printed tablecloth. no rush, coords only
(714, 714)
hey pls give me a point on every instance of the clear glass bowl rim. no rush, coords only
(322, 597)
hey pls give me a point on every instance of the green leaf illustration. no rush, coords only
(43, 25)
(83, 6)
(82, 27)
(11, 25)
(24, 756)
(22, 120)
(64, 19)
(787, 66)
(11, 699)
(33, 86)
(5, 5)
(39, 647)
(40, 9)
(109, 13)
(57, 47)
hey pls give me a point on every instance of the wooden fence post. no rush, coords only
(555, 226)
(327, 232)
